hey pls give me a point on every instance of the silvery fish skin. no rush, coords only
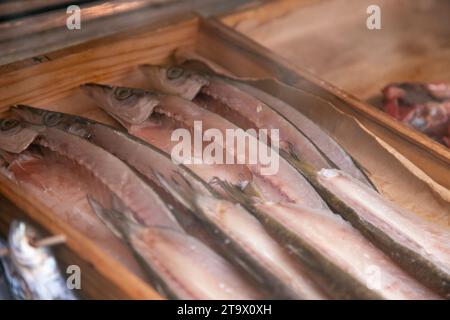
(286, 185)
(182, 267)
(113, 183)
(32, 273)
(149, 161)
(418, 245)
(343, 261)
(249, 107)
(241, 233)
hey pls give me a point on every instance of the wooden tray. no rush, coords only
(328, 43)
(52, 82)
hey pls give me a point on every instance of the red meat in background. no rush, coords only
(425, 107)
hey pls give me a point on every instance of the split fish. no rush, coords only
(147, 160)
(344, 262)
(253, 247)
(249, 107)
(112, 182)
(418, 245)
(181, 266)
(287, 184)
(59, 187)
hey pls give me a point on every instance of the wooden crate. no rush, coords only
(52, 80)
(332, 49)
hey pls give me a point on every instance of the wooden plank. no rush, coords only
(232, 50)
(34, 36)
(106, 59)
(330, 39)
(13, 8)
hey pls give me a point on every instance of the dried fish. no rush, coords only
(147, 160)
(418, 245)
(115, 183)
(182, 267)
(287, 184)
(249, 107)
(151, 126)
(324, 142)
(343, 261)
(60, 188)
(241, 233)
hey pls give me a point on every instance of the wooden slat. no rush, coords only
(28, 37)
(61, 72)
(330, 39)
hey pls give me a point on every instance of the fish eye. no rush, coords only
(122, 93)
(52, 118)
(174, 73)
(8, 124)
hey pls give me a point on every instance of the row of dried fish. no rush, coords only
(237, 233)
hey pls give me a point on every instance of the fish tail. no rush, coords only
(121, 224)
(301, 166)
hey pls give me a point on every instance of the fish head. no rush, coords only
(22, 252)
(175, 80)
(130, 106)
(15, 135)
(72, 124)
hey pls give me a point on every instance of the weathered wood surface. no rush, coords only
(330, 39)
(38, 34)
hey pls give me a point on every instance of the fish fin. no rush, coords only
(235, 193)
(301, 166)
(252, 190)
(119, 223)
(292, 153)
(180, 188)
(248, 187)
